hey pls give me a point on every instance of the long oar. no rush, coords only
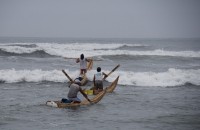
(70, 79)
(111, 71)
(90, 64)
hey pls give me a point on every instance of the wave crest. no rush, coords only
(38, 53)
(172, 77)
(72, 50)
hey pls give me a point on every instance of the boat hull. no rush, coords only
(94, 100)
(109, 89)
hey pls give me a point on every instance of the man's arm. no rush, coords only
(77, 60)
(105, 75)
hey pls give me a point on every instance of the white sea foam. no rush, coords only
(18, 49)
(56, 46)
(73, 50)
(172, 77)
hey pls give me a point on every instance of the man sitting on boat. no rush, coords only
(83, 63)
(73, 92)
(98, 80)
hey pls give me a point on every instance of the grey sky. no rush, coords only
(100, 18)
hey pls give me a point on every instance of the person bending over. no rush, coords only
(73, 92)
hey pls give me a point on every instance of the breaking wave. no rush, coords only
(73, 50)
(172, 77)
(38, 53)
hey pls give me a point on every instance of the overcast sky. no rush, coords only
(100, 18)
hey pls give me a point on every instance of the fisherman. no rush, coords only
(79, 78)
(73, 92)
(98, 80)
(83, 63)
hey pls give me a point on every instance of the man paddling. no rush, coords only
(83, 64)
(98, 80)
(73, 92)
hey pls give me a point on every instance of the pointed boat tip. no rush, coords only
(117, 77)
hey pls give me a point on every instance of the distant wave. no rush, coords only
(39, 53)
(29, 47)
(89, 49)
(172, 77)
(134, 46)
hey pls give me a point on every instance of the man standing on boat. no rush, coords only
(83, 64)
(98, 80)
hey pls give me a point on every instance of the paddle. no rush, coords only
(90, 64)
(111, 71)
(70, 79)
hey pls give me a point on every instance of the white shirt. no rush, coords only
(73, 91)
(83, 64)
(98, 76)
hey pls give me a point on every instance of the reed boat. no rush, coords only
(109, 89)
(94, 100)
(84, 76)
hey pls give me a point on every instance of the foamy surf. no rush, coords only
(172, 77)
(72, 50)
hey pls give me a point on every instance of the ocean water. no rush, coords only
(158, 88)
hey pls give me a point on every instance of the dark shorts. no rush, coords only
(64, 100)
(83, 71)
(99, 84)
(76, 99)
